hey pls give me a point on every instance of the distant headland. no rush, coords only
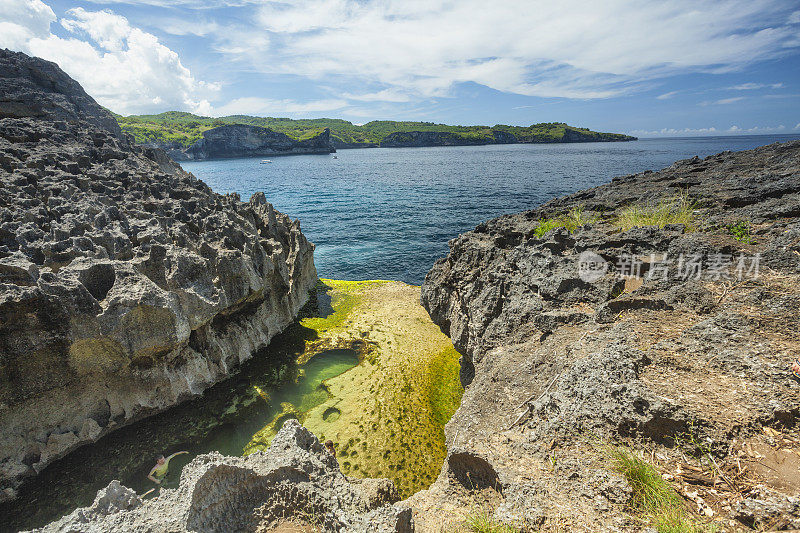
(189, 136)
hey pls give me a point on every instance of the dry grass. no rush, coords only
(481, 521)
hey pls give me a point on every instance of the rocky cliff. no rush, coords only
(496, 136)
(239, 140)
(296, 485)
(444, 138)
(660, 310)
(126, 284)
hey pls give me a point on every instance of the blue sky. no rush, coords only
(663, 68)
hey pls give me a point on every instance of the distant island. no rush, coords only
(189, 136)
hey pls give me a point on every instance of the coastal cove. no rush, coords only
(335, 370)
(365, 266)
(388, 213)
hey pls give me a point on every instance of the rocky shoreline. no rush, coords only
(684, 355)
(413, 139)
(658, 312)
(238, 140)
(126, 284)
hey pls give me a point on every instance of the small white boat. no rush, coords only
(265, 161)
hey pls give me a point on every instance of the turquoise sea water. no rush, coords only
(387, 213)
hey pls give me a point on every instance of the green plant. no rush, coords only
(571, 220)
(653, 496)
(741, 231)
(481, 521)
(674, 210)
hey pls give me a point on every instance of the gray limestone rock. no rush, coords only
(126, 284)
(295, 479)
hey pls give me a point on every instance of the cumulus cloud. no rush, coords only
(691, 132)
(572, 48)
(124, 68)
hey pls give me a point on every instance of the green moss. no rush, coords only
(262, 439)
(443, 387)
(386, 415)
(346, 297)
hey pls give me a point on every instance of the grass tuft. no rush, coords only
(653, 496)
(675, 210)
(572, 220)
(481, 521)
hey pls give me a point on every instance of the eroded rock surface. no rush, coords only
(643, 351)
(126, 284)
(296, 480)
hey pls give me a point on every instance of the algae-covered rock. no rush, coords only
(386, 415)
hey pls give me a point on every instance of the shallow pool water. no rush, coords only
(224, 419)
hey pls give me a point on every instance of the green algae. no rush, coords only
(345, 297)
(294, 397)
(385, 416)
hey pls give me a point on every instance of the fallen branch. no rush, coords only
(530, 401)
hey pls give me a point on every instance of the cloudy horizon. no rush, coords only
(648, 70)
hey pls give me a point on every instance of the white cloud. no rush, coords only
(675, 132)
(797, 127)
(176, 26)
(757, 129)
(21, 21)
(666, 96)
(124, 68)
(573, 48)
(794, 18)
(723, 101)
(266, 106)
(690, 132)
(752, 86)
(386, 95)
(197, 4)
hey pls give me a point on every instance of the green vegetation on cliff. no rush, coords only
(185, 128)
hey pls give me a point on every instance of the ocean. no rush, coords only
(387, 213)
